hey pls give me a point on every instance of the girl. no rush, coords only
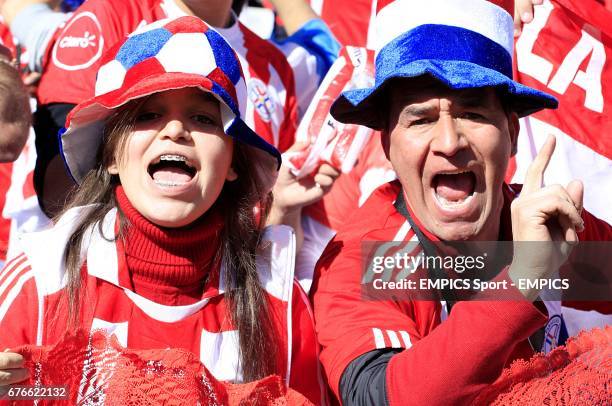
(160, 245)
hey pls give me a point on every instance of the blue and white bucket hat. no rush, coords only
(461, 43)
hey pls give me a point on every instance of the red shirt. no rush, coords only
(148, 313)
(456, 354)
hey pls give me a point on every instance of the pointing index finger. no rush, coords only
(535, 173)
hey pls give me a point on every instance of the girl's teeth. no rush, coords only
(167, 184)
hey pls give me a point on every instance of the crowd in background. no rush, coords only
(292, 54)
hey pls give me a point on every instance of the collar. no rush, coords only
(168, 264)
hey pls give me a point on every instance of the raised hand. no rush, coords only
(544, 214)
(291, 194)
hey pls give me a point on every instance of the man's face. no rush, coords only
(450, 149)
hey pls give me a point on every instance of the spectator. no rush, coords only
(166, 158)
(280, 81)
(449, 121)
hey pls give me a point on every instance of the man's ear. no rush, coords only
(231, 175)
(385, 140)
(514, 128)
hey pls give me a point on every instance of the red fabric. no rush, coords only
(555, 45)
(170, 266)
(348, 20)
(6, 171)
(352, 189)
(98, 367)
(34, 310)
(330, 141)
(6, 40)
(444, 363)
(578, 373)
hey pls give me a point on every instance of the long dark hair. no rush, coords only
(249, 307)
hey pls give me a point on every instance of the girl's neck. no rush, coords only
(216, 12)
(169, 265)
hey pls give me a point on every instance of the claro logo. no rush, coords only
(85, 41)
(81, 43)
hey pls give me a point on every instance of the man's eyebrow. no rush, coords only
(417, 109)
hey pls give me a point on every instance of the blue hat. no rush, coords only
(463, 44)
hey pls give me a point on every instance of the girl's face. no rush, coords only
(177, 157)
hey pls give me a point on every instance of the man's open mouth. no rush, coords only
(171, 170)
(454, 189)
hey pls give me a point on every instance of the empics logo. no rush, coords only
(80, 44)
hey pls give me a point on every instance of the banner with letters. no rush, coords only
(567, 52)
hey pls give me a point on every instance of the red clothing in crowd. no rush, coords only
(444, 362)
(160, 289)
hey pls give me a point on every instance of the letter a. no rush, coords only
(526, 61)
(589, 80)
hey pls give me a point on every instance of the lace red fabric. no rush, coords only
(579, 373)
(97, 370)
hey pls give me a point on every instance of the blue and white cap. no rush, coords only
(463, 44)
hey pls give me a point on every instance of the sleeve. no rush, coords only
(363, 381)
(586, 313)
(305, 374)
(74, 54)
(595, 229)
(311, 51)
(316, 237)
(463, 355)
(440, 364)
(34, 27)
(19, 304)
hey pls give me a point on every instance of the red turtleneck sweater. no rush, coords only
(169, 265)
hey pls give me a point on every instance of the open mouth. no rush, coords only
(171, 170)
(454, 189)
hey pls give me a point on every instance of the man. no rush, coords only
(280, 80)
(448, 111)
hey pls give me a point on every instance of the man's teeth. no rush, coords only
(451, 203)
(168, 184)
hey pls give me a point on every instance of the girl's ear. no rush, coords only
(231, 175)
(113, 169)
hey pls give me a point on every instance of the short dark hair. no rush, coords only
(238, 5)
(384, 98)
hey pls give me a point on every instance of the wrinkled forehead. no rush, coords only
(404, 92)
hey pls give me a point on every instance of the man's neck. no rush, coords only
(216, 13)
